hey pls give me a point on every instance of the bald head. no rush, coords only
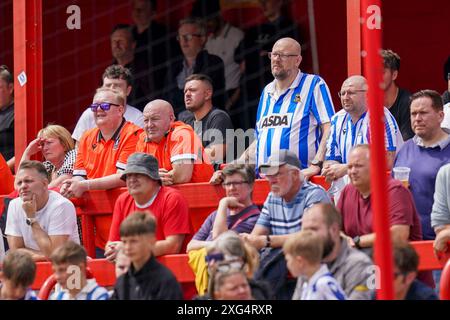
(290, 44)
(285, 60)
(357, 81)
(353, 96)
(158, 117)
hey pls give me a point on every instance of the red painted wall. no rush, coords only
(75, 59)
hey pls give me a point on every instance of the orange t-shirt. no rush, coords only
(98, 158)
(6, 178)
(180, 143)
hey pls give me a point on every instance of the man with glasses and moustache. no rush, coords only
(102, 153)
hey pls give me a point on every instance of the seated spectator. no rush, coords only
(7, 115)
(230, 283)
(425, 153)
(40, 220)
(145, 193)
(356, 207)
(146, 279)
(118, 78)
(67, 259)
(174, 144)
(304, 251)
(440, 215)
(406, 284)
(58, 149)
(6, 177)
(16, 276)
(123, 45)
(209, 123)
(195, 59)
(396, 99)
(235, 212)
(102, 154)
(347, 265)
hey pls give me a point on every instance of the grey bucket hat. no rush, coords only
(142, 163)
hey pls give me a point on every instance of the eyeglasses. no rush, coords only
(283, 57)
(349, 92)
(214, 257)
(188, 37)
(105, 106)
(233, 183)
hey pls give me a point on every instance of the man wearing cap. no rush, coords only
(145, 193)
(283, 209)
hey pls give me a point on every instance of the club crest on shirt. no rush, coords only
(297, 98)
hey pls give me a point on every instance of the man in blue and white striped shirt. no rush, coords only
(294, 112)
(350, 126)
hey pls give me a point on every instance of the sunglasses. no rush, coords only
(105, 106)
(214, 257)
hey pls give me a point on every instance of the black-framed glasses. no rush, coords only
(276, 55)
(188, 37)
(233, 183)
(349, 92)
(105, 106)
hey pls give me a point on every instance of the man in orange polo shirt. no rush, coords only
(102, 153)
(179, 150)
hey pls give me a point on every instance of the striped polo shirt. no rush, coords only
(292, 120)
(344, 134)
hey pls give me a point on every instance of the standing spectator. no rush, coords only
(252, 53)
(119, 78)
(195, 59)
(175, 145)
(16, 277)
(440, 214)
(58, 149)
(146, 279)
(350, 126)
(65, 260)
(446, 94)
(396, 99)
(6, 113)
(349, 266)
(223, 40)
(145, 193)
(304, 251)
(39, 221)
(210, 124)
(155, 47)
(425, 153)
(102, 154)
(123, 45)
(235, 212)
(294, 112)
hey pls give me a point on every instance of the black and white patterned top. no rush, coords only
(66, 168)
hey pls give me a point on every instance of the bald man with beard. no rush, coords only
(174, 144)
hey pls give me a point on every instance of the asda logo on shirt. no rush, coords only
(276, 121)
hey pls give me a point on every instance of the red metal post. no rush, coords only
(353, 37)
(371, 32)
(444, 291)
(28, 82)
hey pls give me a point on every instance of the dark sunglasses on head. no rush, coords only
(214, 257)
(105, 106)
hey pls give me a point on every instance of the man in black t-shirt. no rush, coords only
(6, 113)
(395, 98)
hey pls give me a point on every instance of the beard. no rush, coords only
(328, 246)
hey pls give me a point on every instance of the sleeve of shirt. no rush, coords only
(176, 216)
(264, 217)
(393, 134)
(440, 215)
(117, 218)
(219, 125)
(128, 147)
(322, 104)
(316, 195)
(206, 228)
(183, 144)
(82, 125)
(78, 168)
(332, 152)
(12, 225)
(64, 219)
(401, 207)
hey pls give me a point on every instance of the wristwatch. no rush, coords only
(357, 241)
(30, 221)
(317, 163)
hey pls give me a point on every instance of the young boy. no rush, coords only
(17, 275)
(69, 263)
(146, 279)
(303, 251)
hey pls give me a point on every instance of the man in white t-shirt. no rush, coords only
(445, 124)
(39, 220)
(115, 77)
